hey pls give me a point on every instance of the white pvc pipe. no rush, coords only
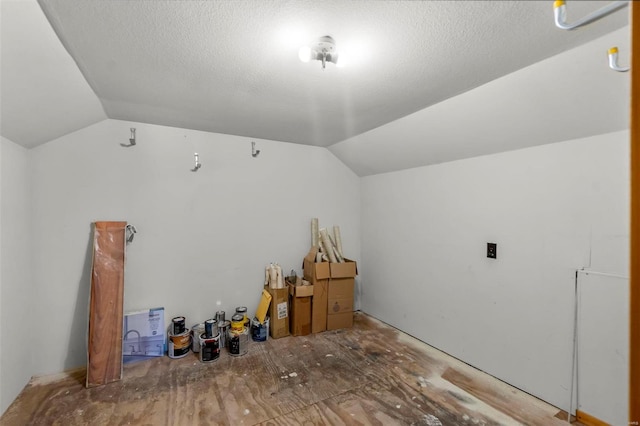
(574, 346)
(603, 274)
(560, 14)
(574, 352)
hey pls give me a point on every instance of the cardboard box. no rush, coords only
(143, 334)
(321, 275)
(340, 303)
(318, 275)
(340, 296)
(315, 271)
(278, 312)
(338, 321)
(300, 311)
(348, 269)
(319, 306)
(300, 290)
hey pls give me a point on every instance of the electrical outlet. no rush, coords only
(492, 250)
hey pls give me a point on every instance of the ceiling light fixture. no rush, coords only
(323, 49)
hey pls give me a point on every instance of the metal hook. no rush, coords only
(613, 61)
(254, 152)
(130, 231)
(197, 163)
(560, 14)
(132, 138)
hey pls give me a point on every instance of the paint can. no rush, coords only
(242, 310)
(259, 331)
(237, 323)
(196, 331)
(179, 344)
(211, 327)
(220, 316)
(178, 325)
(223, 328)
(238, 342)
(209, 347)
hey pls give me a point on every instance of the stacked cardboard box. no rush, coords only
(300, 297)
(333, 286)
(340, 294)
(318, 275)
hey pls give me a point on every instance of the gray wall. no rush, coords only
(203, 239)
(551, 209)
(17, 298)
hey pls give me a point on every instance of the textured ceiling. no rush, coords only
(568, 96)
(232, 66)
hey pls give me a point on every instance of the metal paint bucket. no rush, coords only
(242, 310)
(223, 328)
(237, 323)
(238, 342)
(220, 316)
(211, 328)
(179, 344)
(260, 331)
(209, 347)
(178, 325)
(196, 331)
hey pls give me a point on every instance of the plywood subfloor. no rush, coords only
(370, 374)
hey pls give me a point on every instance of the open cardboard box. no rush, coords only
(330, 281)
(318, 274)
(300, 302)
(278, 312)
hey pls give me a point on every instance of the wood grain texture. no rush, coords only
(104, 356)
(371, 374)
(589, 420)
(634, 282)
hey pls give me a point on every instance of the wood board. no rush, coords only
(104, 349)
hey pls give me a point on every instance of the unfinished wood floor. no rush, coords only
(371, 374)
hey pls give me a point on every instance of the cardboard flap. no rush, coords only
(315, 271)
(311, 256)
(300, 290)
(348, 269)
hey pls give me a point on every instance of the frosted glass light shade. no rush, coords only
(304, 53)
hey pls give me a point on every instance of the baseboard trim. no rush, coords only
(589, 420)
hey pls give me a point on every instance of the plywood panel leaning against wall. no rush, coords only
(104, 358)
(634, 283)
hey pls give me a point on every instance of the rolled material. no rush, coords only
(338, 239)
(335, 250)
(314, 232)
(279, 277)
(273, 276)
(324, 236)
(340, 258)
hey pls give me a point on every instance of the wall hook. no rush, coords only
(613, 61)
(254, 152)
(132, 138)
(197, 163)
(560, 14)
(130, 232)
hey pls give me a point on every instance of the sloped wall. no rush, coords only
(17, 298)
(204, 238)
(551, 210)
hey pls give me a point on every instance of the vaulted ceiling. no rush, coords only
(232, 66)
